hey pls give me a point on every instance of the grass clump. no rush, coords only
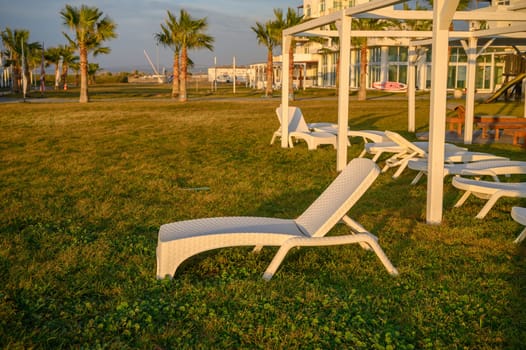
(84, 191)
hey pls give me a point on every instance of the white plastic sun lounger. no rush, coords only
(389, 146)
(489, 190)
(180, 240)
(493, 168)
(368, 136)
(331, 128)
(412, 151)
(298, 129)
(519, 214)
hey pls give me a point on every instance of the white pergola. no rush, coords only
(444, 12)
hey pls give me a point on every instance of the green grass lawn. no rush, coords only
(84, 189)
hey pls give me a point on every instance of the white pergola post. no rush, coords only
(411, 87)
(343, 90)
(443, 11)
(472, 55)
(470, 90)
(287, 39)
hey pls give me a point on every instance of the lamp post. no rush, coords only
(234, 77)
(215, 73)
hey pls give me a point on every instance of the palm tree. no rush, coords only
(14, 41)
(68, 59)
(192, 36)
(33, 57)
(93, 68)
(169, 37)
(266, 35)
(281, 23)
(91, 29)
(52, 56)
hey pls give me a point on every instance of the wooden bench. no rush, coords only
(497, 123)
(517, 135)
(510, 125)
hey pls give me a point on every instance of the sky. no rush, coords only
(138, 20)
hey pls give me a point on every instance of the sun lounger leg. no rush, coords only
(291, 142)
(383, 258)
(487, 207)
(376, 156)
(520, 237)
(276, 261)
(417, 178)
(356, 227)
(401, 168)
(364, 152)
(364, 237)
(167, 262)
(462, 199)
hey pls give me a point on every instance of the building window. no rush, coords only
(456, 77)
(308, 11)
(322, 6)
(503, 2)
(397, 67)
(324, 70)
(375, 55)
(337, 4)
(397, 54)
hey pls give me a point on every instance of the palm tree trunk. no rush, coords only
(270, 80)
(184, 65)
(17, 77)
(65, 68)
(56, 83)
(362, 92)
(175, 81)
(83, 75)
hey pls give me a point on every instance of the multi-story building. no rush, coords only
(316, 62)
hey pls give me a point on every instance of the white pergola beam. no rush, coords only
(511, 32)
(373, 33)
(333, 17)
(520, 5)
(312, 24)
(517, 28)
(371, 6)
(474, 15)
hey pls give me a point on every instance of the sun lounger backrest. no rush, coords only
(401, 141)
(338, 198)
(300, 123)
(296, 120)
